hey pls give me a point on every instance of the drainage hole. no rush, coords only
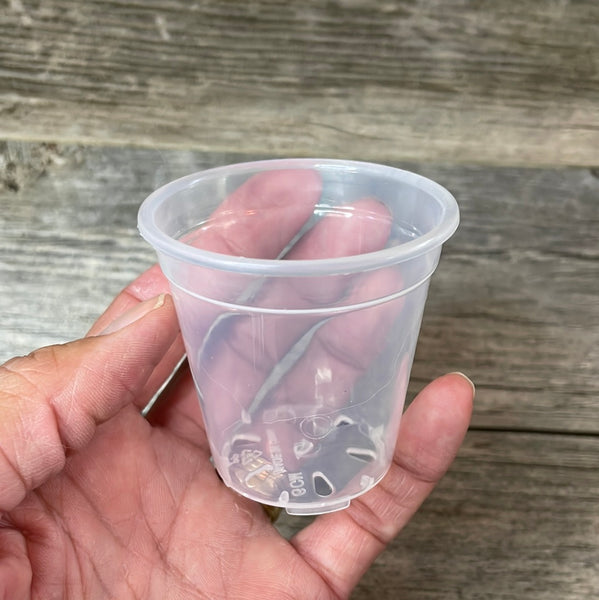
(343, 421)
(322, 486)
(362, 454)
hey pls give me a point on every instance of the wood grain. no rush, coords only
(513, 302)
(102, 101)
(511, 83)
(516, 517)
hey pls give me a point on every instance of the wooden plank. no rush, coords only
(515, 517)
(513, 303)
(68, 233)
(512, 82)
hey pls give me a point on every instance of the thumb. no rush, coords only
(52, 401)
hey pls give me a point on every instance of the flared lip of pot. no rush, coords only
(173, 248)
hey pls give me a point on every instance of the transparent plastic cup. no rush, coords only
(299, 286)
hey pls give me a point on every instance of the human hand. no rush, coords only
(98, 501)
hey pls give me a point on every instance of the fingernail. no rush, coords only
(468, 380)
(135, 313)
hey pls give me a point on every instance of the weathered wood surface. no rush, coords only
(515, 518)
(506, 82)
(432, 85)
(513, 303)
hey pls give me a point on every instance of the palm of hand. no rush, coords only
(141, 514)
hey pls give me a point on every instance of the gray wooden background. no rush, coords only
(103, 101)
